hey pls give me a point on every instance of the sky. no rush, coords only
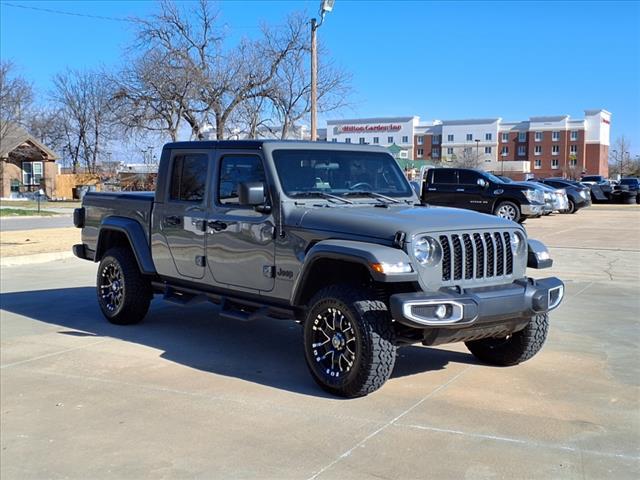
(437, 60)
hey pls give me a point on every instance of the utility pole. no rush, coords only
(477, 152)
(325, 6)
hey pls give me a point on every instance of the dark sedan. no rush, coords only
(579, 195)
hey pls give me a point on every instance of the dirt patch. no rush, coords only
(28, 242)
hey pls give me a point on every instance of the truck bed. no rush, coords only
(100, 205)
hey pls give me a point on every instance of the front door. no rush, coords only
(474, 195)
(181, 217)
(240, 240)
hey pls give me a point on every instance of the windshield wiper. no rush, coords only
(376, 195)
(319, 194)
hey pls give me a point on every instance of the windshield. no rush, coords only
(493, 178)
(629, 181)
(340, 173)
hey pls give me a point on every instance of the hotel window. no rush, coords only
(405, 139)
(376, 140)
(555, 136)
(555, 163)
(538, 163)
(420, 152)
(573, 149)
(449, 151)
(538, 150)
(573, 162)
(435, 153)
(469, 137)
(347, 140)
(334, 140)
(450, 138)
(505, 137)
(420, 140)
(487, 150)
(361, 141)
(574, 135)
(522, 136)
(505, 151)
(555, 149)
(487, 136)
(538, 136)
(389, 139)
(31, 173)
(522, 150)
(467, 150)
(436, 139)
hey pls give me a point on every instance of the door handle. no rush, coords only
(217, 225)
(459, 189)
(172, 220)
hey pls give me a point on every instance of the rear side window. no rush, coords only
(235, 169)
(467, 177)
(189, 178)
(445, 175)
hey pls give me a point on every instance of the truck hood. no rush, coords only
(383, 223)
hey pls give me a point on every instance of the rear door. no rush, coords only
(181, 217)
(240, 240)
(441, 187)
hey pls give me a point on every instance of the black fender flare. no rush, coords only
(137, 240)
(363, 253)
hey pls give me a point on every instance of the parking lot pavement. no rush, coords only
(186, 394)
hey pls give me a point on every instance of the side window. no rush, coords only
(189, 178)
(445, 176)
(235, 169)
(468, 177)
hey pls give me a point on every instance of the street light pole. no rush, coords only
(325, 6)
(477, 152)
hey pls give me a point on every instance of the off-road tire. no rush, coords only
(516, 348)
(375, 351)
(517, 215)
(136, 289)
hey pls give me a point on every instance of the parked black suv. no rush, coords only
(579, 195)
(482, 192)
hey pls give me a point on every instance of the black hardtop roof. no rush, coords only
(257, 144)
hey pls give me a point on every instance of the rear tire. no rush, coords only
(514, 349)
(123, 293)
(508, 210)
(349, 341)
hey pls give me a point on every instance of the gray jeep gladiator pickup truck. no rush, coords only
(329, 235)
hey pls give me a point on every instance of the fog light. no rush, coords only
(441, 311)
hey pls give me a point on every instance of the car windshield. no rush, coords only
(339, 172)
(493, 178)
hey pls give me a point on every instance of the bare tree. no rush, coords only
(16, 97)
(468, 159)
(291, 95)
(82, 99)
(620, 162)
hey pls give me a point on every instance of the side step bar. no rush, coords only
(230, 308)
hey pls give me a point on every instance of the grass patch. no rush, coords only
(21, 212)
(31, 204)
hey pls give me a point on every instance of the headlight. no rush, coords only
(534, 195)
(426, 250)
(517, 243)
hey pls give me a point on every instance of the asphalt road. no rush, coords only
(185, 394)
(34, 223)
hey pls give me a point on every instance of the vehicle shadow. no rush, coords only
(267, 352)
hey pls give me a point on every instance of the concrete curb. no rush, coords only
(33, 259)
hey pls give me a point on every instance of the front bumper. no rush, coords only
(446, 309)
(532, 210)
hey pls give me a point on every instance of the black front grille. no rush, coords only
(476, 255)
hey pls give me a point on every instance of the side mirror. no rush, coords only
(251, 193)
(482, 182)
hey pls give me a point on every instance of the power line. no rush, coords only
(60, 12)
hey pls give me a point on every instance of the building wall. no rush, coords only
(427, 139)
(12, 170)
(9, 171)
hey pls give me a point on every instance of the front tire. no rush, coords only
(508, 210)
(123, 293)
(349, 341)
(514, 349)
(572, 206)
